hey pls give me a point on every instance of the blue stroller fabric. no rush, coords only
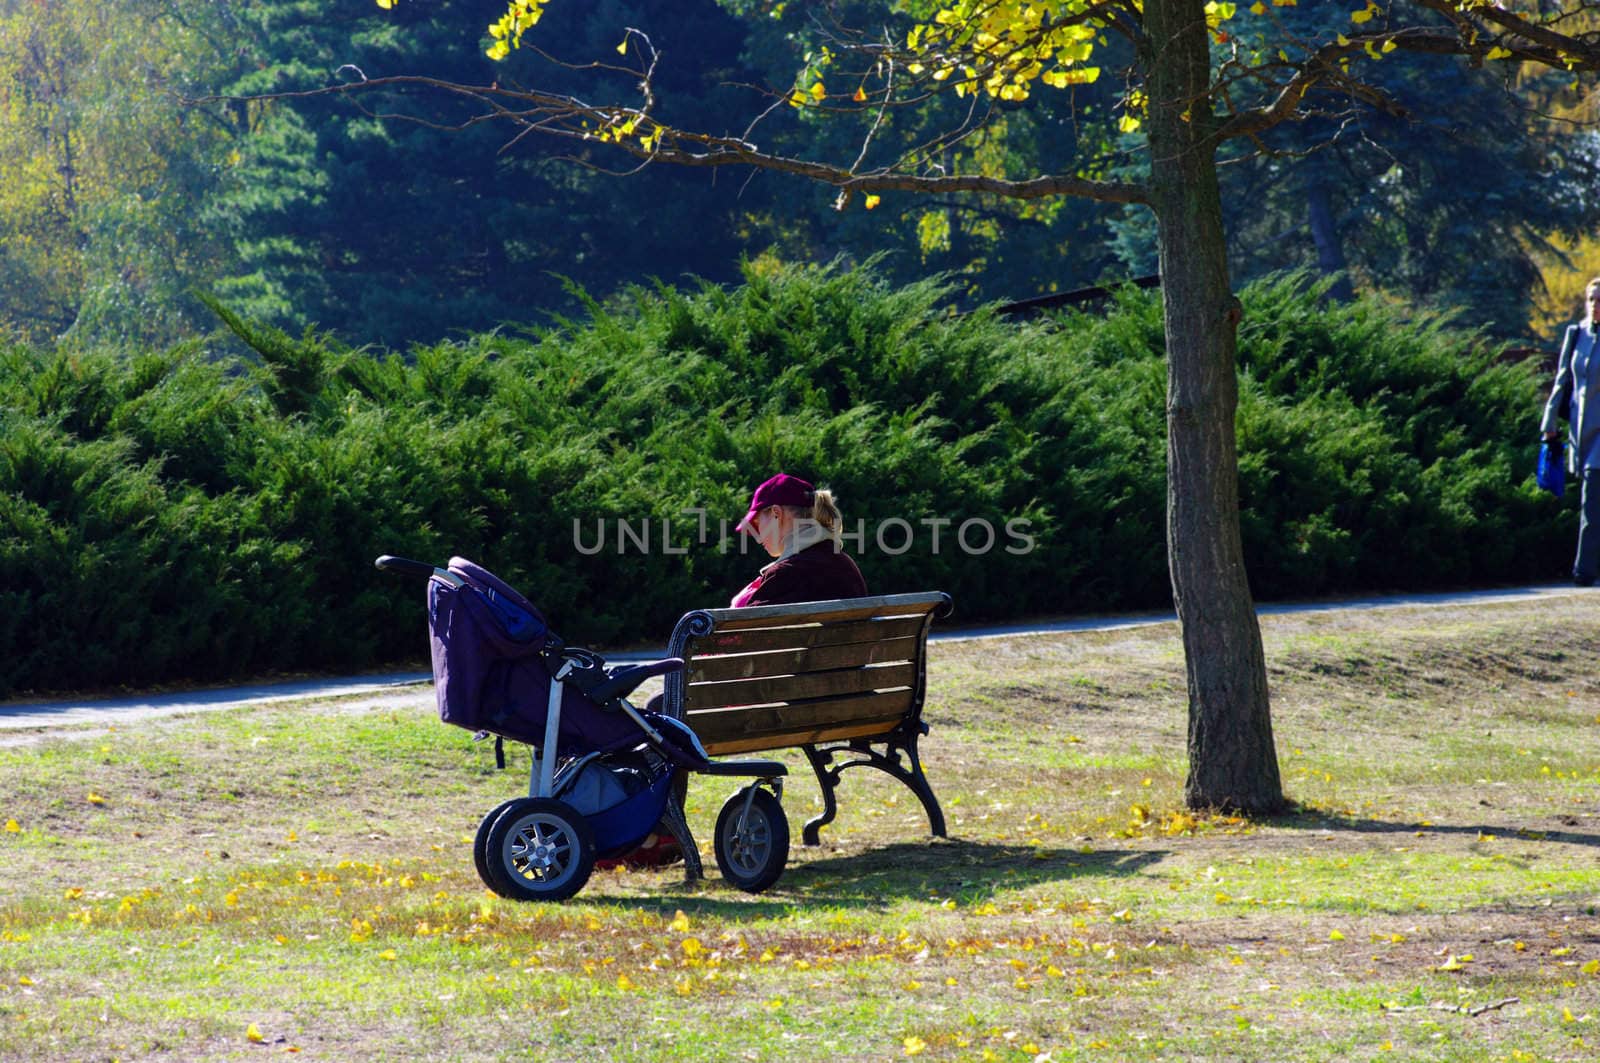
(1552, 471)
(489, 673)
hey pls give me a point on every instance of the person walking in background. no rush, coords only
(1575, 394)
(801, 527)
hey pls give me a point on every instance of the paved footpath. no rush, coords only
(414, 688)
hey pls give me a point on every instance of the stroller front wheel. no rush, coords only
(539, 849)
(752, 845)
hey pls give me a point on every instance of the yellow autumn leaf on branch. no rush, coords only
(873, 201)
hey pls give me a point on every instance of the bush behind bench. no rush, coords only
(192, 515)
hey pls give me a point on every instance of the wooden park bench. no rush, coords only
(838, 679)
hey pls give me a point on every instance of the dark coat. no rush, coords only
(816, 574)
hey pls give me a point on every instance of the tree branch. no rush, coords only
(571, 118)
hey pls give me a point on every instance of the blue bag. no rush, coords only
(1552, 472)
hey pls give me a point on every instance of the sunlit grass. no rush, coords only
(305, 873)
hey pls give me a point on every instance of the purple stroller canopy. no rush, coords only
(489, 674)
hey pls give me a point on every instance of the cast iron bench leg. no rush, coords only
(678, 823)
(903, 742)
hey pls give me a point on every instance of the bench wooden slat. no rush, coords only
(771, 722)
(798, 661)
(805, 736)
(839, 633)
(846, 609)
(796, 687)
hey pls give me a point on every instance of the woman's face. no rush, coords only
(768, 526)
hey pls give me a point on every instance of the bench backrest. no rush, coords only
(787, 675)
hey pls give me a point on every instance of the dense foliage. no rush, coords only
(186, 515)
(119, 198)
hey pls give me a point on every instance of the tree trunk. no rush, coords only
(1233, 764)
(1325, 235)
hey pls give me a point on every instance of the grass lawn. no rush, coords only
(296, 881)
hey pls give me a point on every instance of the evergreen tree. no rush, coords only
(403, 231)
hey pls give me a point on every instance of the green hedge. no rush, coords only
(190, 516)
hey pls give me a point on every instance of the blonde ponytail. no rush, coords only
(825, 511)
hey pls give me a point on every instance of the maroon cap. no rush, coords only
(781, 490)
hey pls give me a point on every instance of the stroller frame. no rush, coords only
(523, 838)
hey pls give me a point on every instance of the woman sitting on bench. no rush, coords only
(801, 527)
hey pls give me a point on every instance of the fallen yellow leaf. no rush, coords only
(13, 827)
(95, 799)
(252, 1033)
(915, 1045)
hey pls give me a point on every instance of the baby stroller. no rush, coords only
(604, 772)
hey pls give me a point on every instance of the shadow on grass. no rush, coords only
(964, 871)
(1315, 819)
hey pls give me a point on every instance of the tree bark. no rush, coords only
(1233, 763)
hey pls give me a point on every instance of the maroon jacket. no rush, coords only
(816, 574)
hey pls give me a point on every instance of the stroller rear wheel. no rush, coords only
(480, 844)
(539, 849)
(752, 845)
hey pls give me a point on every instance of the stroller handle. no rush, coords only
(407, 567)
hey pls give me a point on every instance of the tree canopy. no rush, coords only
(284, 207)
